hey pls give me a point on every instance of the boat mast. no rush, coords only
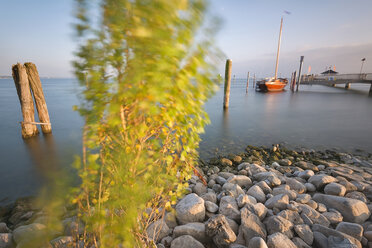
(277, 55)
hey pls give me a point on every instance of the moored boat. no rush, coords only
(271, 84)
(274, 83)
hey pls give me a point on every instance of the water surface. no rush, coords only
(316, 117)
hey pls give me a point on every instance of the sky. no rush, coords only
(328, 33)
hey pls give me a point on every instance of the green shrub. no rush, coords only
(145, 66)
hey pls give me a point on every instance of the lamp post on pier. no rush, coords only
(361, 68)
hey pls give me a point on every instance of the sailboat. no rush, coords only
(274, 83)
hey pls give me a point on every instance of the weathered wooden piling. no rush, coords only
(37, 90)
(299, 72)
(347, 86)
(254, 80)
(227, 84)
(370, 90)
(294, 80)
(246, 88)
(25, 98)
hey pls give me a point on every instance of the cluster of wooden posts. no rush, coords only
(227, 84)
(294, 83)
(27, 82)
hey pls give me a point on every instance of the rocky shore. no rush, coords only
(273, 197)
(264, 197)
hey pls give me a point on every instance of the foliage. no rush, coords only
(146, 72)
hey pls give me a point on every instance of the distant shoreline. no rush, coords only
(10, 77)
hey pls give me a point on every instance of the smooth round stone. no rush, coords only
(335, 189)
(322, 208)
(310, 187)
(211, 207)
(368, 235)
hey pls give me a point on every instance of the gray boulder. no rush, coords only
(279, 201)
(62, 242)
(334, 217)
(29, 233)
(279, 240)
(4, 228)
(232, 189)
(244, 199)
(157, 230)
(306, 174)
(257, 242)
(210, 197)
(190, 209)
(6, 240)
(352, 229)
(300, 243)
(321, 180)
(352, 210)
(320, 240)
(276, 224)
(331, 232)
(257, 193)
(313, 215)
(296, 185)
(196, 230)
(200, 189)
(229, 208)
(211, 207)
(251, 226)
(305, 233)
(241, 180)
(340, 242)
(292, 216)
(335, 189)
(258, 209)
(218, 228)
(286, 191)
(186, 241)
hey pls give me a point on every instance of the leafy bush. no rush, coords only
(146, 72)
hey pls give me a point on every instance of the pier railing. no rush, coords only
(339, 78)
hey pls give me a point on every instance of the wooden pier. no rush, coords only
(334, 79)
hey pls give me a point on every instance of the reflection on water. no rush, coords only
(42, 151)
(315, 117)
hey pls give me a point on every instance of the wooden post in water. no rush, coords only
(234, 79)
(37, 90)
(227, 84)
(246, 88)
(294, 81)
(370, 90)
(290, 84)
(299, 72)
(254, 80)
(25, 98)
(347, 86)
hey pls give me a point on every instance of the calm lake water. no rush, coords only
(316, 117)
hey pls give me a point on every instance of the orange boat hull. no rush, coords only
(277, 85)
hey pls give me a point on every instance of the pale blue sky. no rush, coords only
(326, 32)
